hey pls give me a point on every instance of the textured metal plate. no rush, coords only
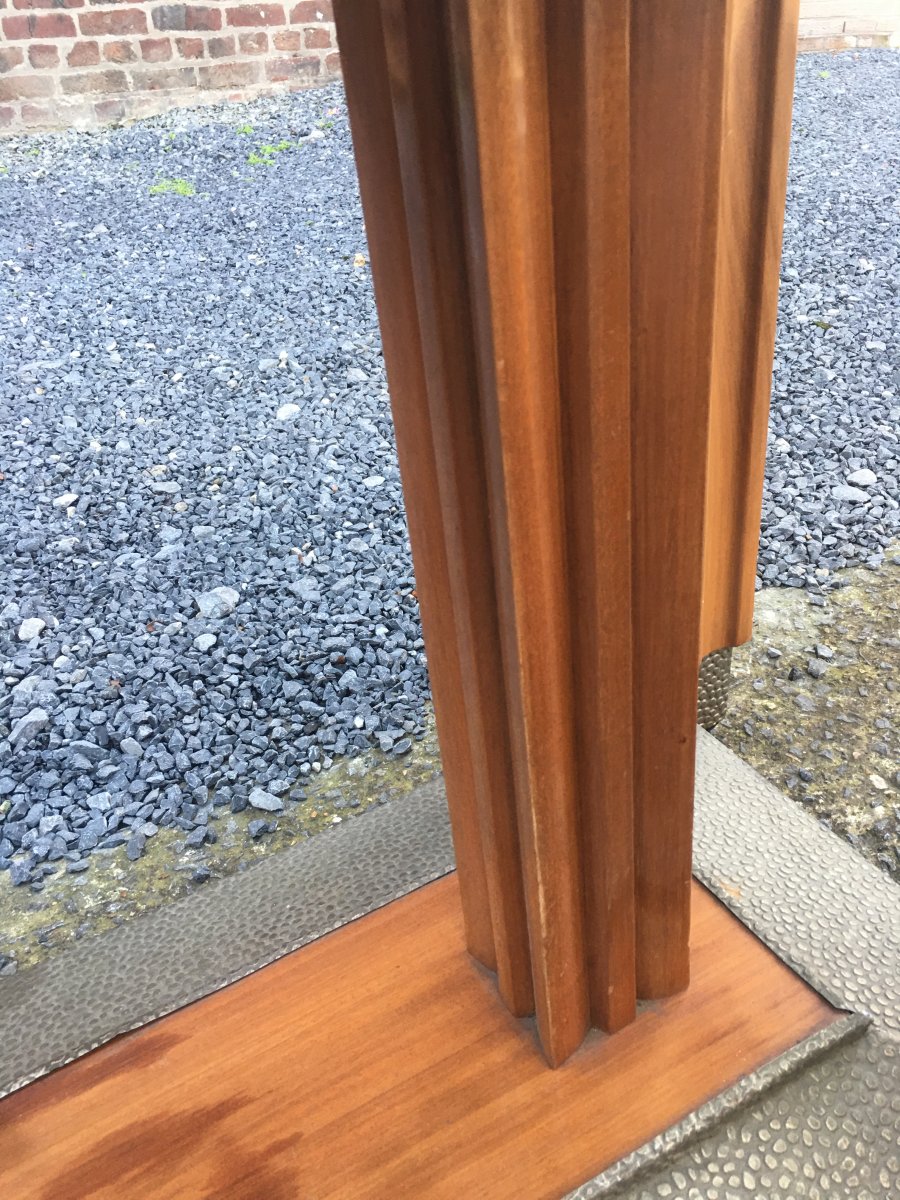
(120, 980)
(828, 1129)
(822, 1121)
(828, 1132)
(714, 685)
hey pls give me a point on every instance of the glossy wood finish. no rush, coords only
(760, 54)
(677, 67)
(420, 85)
(376, 1063)
(368, 94)
(588, 56)
(498, 54)
(574, 212)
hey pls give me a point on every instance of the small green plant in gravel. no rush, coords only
(245, 129)
(265, 155)
(181, 187)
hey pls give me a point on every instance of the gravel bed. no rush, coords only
(207, 593)
(832, 497)
(814, 706)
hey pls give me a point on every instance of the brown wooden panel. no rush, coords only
(574, 210)
(761, 49)
(588, 57)
(677, 77)
(368, 94)
(498, 52)
(376, 1063)
(420, 81)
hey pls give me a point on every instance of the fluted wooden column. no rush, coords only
(574, 212)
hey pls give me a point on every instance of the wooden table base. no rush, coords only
(376, 1062)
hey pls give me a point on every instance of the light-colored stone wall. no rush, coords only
(842, 24)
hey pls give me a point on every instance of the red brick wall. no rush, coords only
(83, 63)
(92, 62)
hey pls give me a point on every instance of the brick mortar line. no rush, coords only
(66, 44)
(64, 47)
(81, 111)
(55, 76)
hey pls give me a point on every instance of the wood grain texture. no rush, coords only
(760, 55)
(421, 88)
(377, 1064)
(588, 57)
(677, 80)
(368, 95)
(498, 51)
(574, 210)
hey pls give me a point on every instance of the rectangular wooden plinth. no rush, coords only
(379, 1062)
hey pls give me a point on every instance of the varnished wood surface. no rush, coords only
(588, 62)
(676, 87)
(376, 1063)
(760, 54)
(498, 53)
(424, 121)
(574, 211)
(368, 94)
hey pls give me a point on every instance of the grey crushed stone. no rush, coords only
(265, 801)
(31, 628)
(832, 497)
(197, 444)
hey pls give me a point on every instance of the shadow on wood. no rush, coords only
(377, 1063)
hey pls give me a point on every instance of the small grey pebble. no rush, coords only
(19, 873)
(135, 847)
(218, 602)
(863, 478)
(261, 799)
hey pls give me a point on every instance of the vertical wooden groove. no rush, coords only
(368, 99)
(587, 51)
(759, 87)
(574, 209)
(677, 76)
(499, 53)
(423, 112)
